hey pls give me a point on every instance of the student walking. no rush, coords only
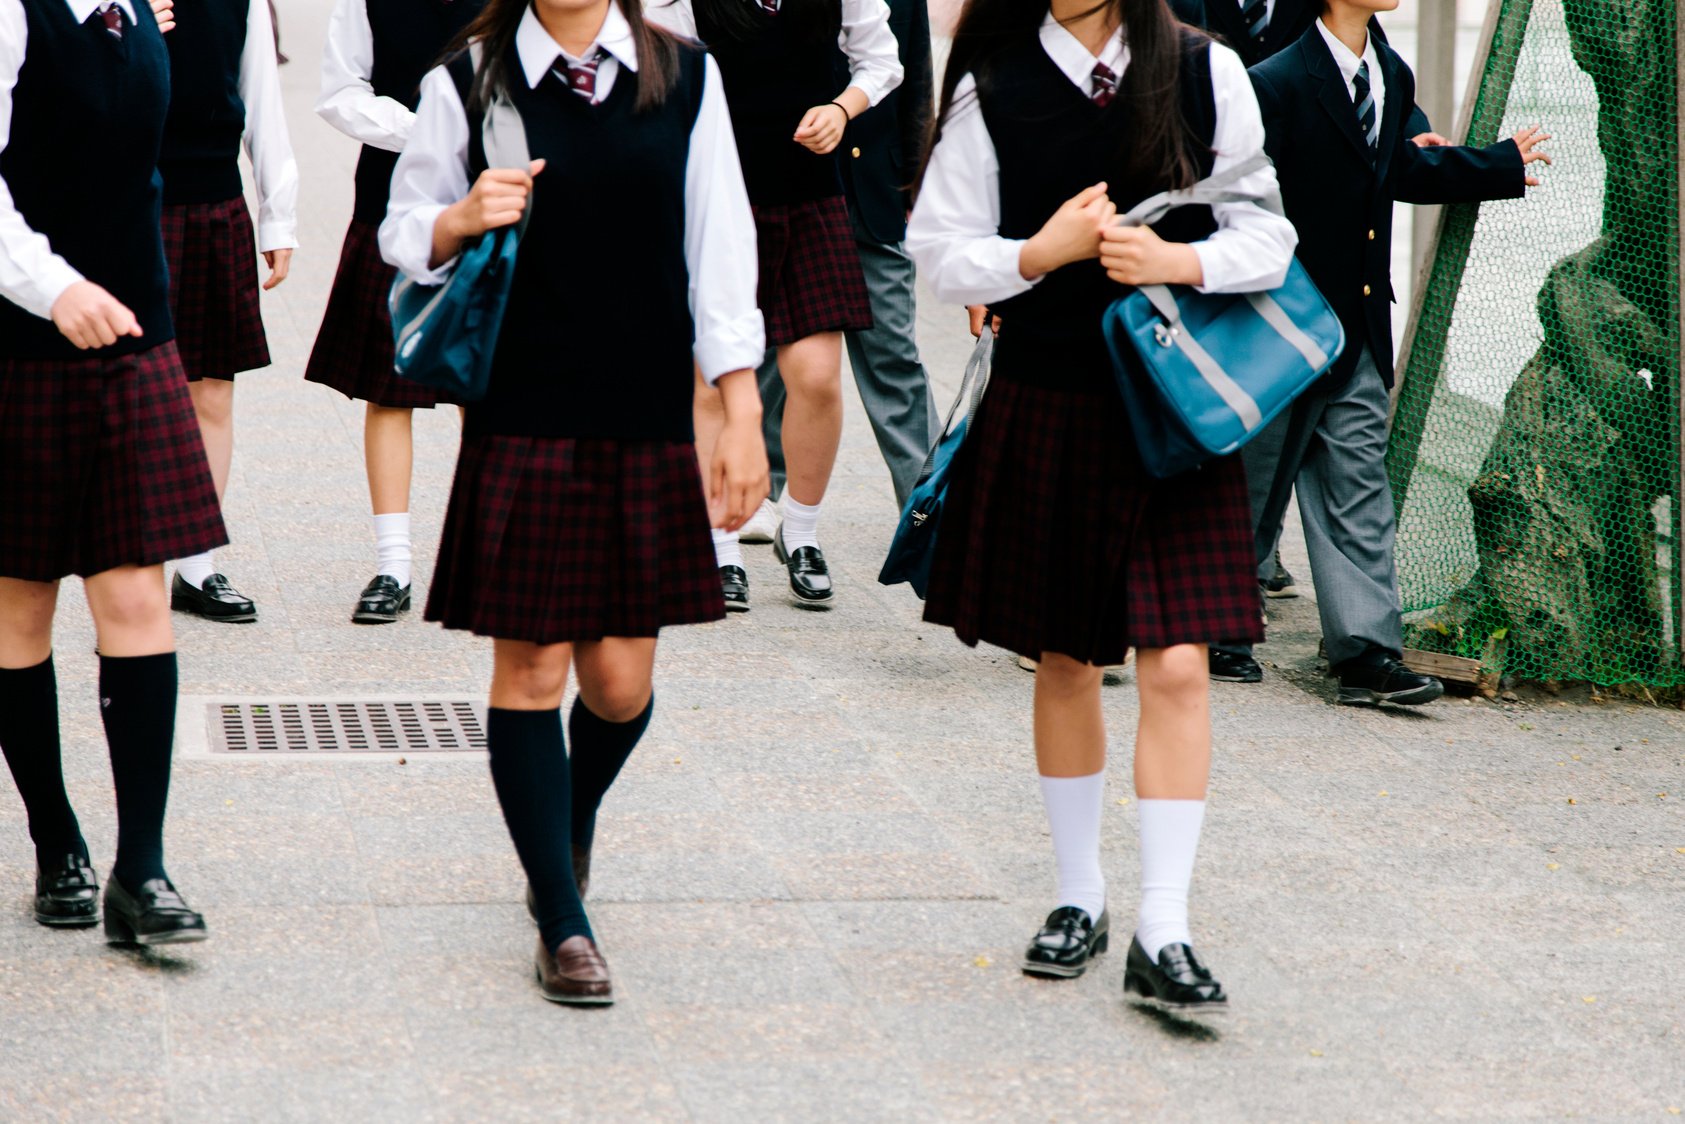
(225, 89)
(1334, 107)
(377, 52)
(1055, 543)
(101, 461)
(578, 525)
(776, 57)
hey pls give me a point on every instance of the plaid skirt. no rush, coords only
(1055, 540)
(811, 280)
(212, 254)
(353, 352)
(102, 465)
(557, 539)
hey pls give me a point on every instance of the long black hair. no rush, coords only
(495, 26)
(809, 19)
(1160, 146)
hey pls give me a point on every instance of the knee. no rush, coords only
(133, 606)
(536, 677)
(1179, 675)
(1062, 675)
(619, 698)
(213, 401)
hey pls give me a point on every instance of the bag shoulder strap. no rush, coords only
(463, 68)
(1212, 190)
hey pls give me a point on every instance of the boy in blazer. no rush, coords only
(1335, 106)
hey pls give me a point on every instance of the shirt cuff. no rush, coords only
(277, 235)
(1212, 268)
(737, 345)
(414, 241)
(57, 275)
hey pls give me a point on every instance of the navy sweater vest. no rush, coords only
(1053, 141)
(597, 337)
(409, 38)
(200, 161)
(772, 77)
(82, 165)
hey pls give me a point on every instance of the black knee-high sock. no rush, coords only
(29, 736)
(599, 750)
(137, 699)
(529, 769)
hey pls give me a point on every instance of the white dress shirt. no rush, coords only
(31, 275)
(719, 247)
(874, 58)
(1348, 63)
(347, 100)
(954, 234)
(268, 146)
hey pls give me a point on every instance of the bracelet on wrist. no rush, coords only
(847, 116)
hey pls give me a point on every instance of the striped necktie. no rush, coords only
(113, 19)
(581, 78)
(1367, 121)
(1105, 85)
(770, 7)
(1256, 15)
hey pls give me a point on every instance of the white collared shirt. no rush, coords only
(267, 143)
(1348, 63)
(347, 100)
(719, 236)
(874, 58)
(954, 234)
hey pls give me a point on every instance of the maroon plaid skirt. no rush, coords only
(212, 254)
(554, 539)
(1055, 540)
(353, 352)
(811, 280)
(101, 465)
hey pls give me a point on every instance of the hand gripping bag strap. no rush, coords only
(503, 136)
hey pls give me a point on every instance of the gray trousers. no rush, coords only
(893, 384)
(1333, 446)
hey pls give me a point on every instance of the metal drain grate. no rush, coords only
(346, 726)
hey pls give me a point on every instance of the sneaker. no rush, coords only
(1234, 667)
(1280, 585)
(762, 525)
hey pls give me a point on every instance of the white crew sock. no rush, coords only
(392, 545)
(1073, 815)
(801, 524)
(1169, 841)
(728, 548)
(195, 568)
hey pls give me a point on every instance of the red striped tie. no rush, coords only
(1105, 85)
(113, 20)
(581, 77)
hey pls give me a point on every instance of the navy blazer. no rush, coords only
(1342, 203)
(881, 151)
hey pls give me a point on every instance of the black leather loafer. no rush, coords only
(1380, 677)
(810, 577)
(153, 914)
(1234, 667)
(1280, 584)
(382, 600)
(1068, 940)
(734, 583)
(1178, 982)
(216, 600)
(66, 893)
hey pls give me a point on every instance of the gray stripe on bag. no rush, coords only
(1277, 318)
(1209, 369)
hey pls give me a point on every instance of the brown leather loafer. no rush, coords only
(577, 974)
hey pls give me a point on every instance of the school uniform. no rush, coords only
(810, 275)
(224, 91)
(1335, 124)
(376, 55)
(100, 455)
(1054, 538)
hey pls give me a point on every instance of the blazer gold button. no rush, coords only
(1366, 290)
(856, 154)
(1371, 236)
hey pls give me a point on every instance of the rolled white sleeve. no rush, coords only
(672, 15)
(431, 175)
(31, 275)
(347, 100)
(1252, 247)
(720, 247)
(954, 234)
(874, 58)
(267, 143)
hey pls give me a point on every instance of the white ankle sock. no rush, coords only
(392, 545)
(195, 568)
(1073, 815)
(801, 524)
(728, 548)
(1169, 841)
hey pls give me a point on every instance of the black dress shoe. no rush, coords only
(1380, 677)
(216, 600)
(154, 914)
(66, 893)
(810, 577)
(382, 600)
(1068, 940)
(1280, 584)
(1178, 982)
(1234, 667)
(734, 582)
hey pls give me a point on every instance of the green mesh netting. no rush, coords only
(1535, 454)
